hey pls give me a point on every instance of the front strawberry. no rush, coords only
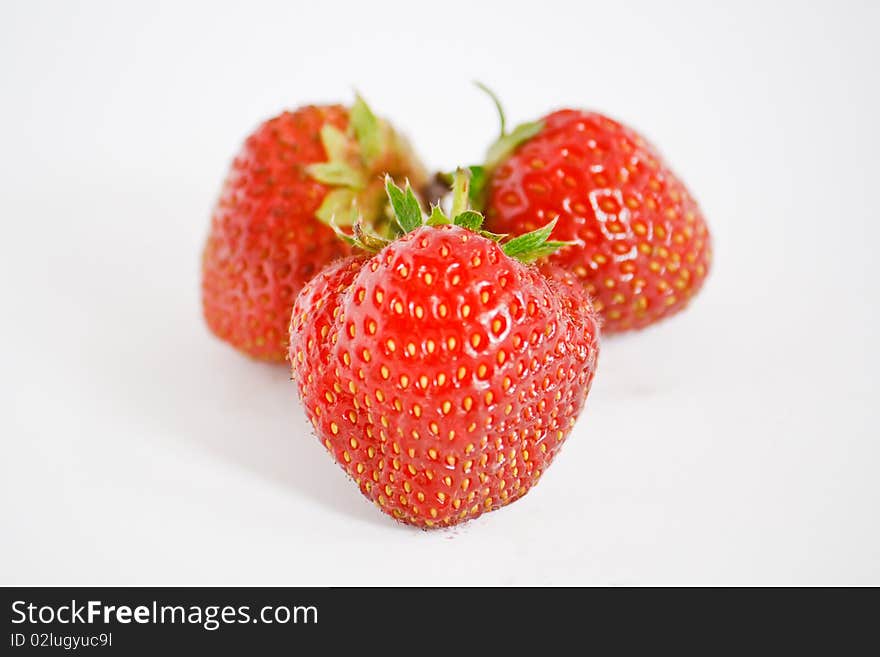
(640, 244)
(442, 373)
(269, 231)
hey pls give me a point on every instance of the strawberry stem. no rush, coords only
(461, 181)
(498, 106)
(507, 143)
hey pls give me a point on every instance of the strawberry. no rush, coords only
(442, 373)
(270, 229)
(639, 241)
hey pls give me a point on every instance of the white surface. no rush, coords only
(736, 444)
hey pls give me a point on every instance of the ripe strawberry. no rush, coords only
(442, 373)
(641, 246)
(270, 229)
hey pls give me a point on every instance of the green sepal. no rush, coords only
(336, 144)
(506, 144)
(367, 239)
(367, 130)
(495, 237)
(336, 173)
(469, 219)
(546, 249)
(407, 210)
(437, 218)
(531, 246)
(339, 206)
(345, 237)
(363, 237)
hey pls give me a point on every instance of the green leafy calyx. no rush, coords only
(408, 216)
(534, 245)
(367, 130)
(351, 157)
(500, 150)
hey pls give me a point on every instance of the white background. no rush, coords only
(735, 444)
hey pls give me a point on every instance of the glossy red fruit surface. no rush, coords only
(266, 239)
(441, 374)
(642, 247)
(265, 242)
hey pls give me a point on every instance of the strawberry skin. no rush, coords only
(642, 249)
(265, 240)
(441, 374)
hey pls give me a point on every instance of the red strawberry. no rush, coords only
(441, 373)
(269, 232)
(640, 243)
